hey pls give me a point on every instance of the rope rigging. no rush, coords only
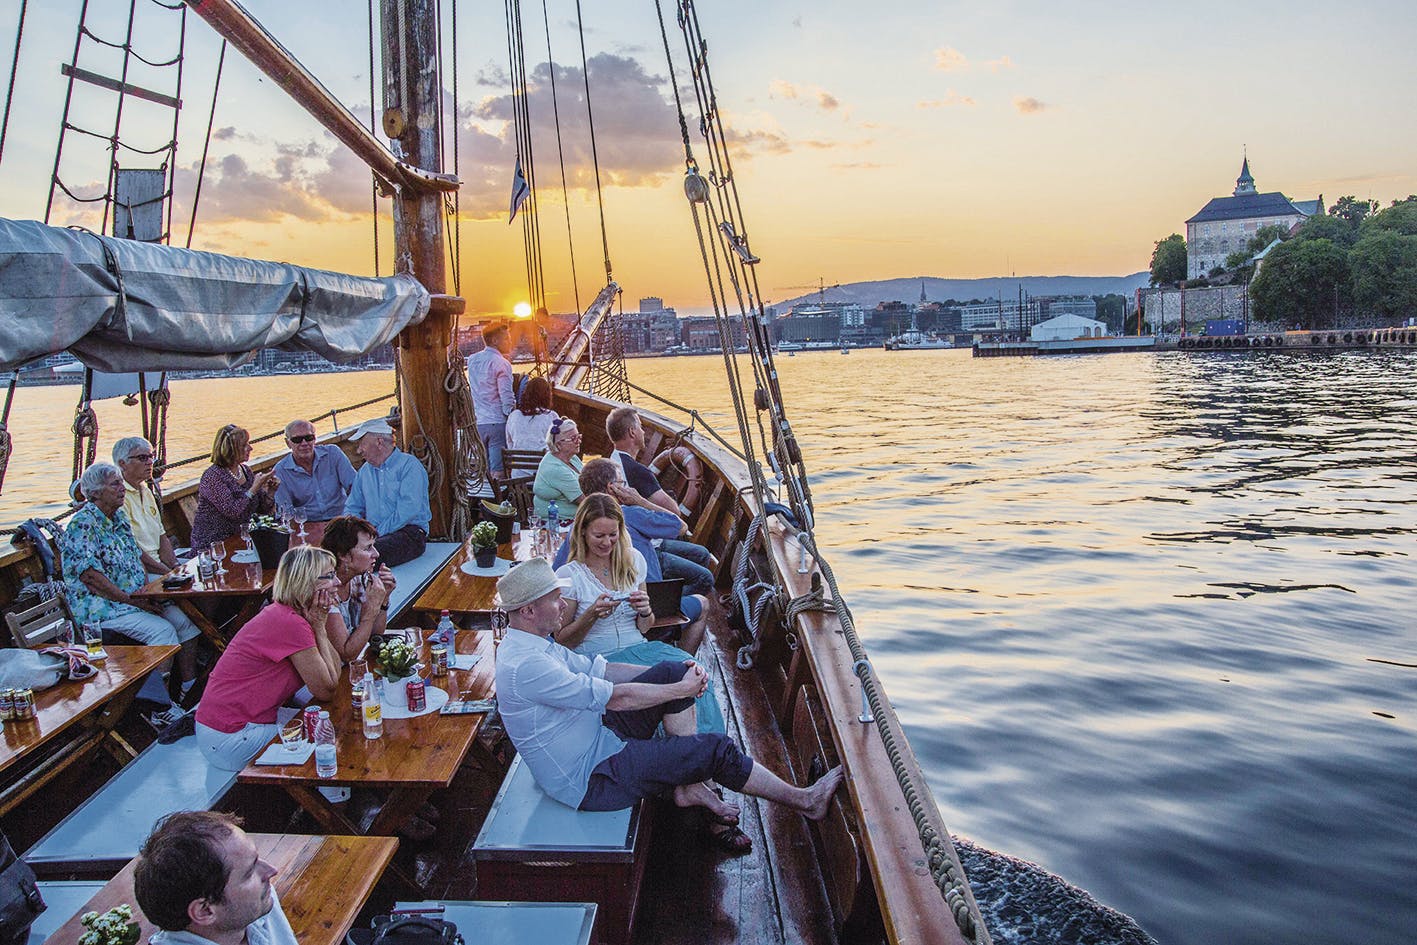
(14, 67)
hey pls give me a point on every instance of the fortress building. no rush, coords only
(1226, 224)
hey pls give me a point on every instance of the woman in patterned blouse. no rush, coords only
(230, 493)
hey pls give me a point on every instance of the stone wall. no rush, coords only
(1162, 307)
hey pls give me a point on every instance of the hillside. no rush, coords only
(869, 294)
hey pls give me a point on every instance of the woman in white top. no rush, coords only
(607, 610)
(528, 425)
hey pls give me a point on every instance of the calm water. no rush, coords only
(1132, 609)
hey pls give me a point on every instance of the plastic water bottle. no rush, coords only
(373, 712)
(446, 630)
(553, 529)
(326, 761)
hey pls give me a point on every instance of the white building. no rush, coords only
(1066, 328)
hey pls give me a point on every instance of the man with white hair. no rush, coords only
(391, 492)
(103, 566)
(133, 456)
(313, 478)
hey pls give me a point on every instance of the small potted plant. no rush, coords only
(271, 539)
(398, 663)
(114, 927)
(484, 544)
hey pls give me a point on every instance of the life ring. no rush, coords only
(683, 459)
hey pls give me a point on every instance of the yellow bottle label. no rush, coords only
(372, 710)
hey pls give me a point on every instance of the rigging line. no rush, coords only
(594, 153)
(206, 146)
(118, 113)
(533, 219)
(176, 116)
(561, 156)
(373, 178)
(167, 146)
(457, 165)
(63, 122)
(14, 67)
(126, 47)
(517, 128)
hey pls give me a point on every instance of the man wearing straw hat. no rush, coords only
(586, 727)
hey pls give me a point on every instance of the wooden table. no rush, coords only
(85, 711)
(414, 757)
(246, 583)
(322, 883)
(458, 592)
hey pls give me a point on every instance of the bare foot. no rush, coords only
(819, 795)
(697, 795)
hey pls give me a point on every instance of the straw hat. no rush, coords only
(526, 582)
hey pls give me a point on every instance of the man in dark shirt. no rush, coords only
(677, 559)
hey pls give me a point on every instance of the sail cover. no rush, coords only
(119, 305)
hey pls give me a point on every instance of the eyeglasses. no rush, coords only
(139, 458)
(302, 438)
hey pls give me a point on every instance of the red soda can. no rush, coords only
(309, 719)
(417, 695)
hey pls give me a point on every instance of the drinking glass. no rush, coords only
(93, 640)
(219, 556)
(300, 517)
(357, 669)
(292, 734)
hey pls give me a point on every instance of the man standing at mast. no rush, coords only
(489, 375)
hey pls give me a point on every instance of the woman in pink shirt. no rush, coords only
(282, 648)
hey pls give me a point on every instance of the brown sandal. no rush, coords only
(730, 840)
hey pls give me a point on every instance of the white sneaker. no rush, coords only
(160, 720)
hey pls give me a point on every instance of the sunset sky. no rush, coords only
(872, 140)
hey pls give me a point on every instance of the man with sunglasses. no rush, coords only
(313, 478)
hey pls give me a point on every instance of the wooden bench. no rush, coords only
(413, 576)
(106, 830)
(516, 923)
(532, 848)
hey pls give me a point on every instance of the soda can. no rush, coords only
(7, 704)
(438, 656)
(417, 695)
(311, 716)
(24, 705)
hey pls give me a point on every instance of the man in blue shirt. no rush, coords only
(313, 478)
(489, 377)
(585, 727)
(391, 492)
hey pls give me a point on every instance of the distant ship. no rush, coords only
(913, 339)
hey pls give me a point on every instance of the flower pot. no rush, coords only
(502, 521)
(270, 545)
(396, 692)
(485, 556)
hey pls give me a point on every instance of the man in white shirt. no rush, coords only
(489, 375)
(585, 727)
(200, 880)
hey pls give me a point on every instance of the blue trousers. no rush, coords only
(649, 766)
(684, 559)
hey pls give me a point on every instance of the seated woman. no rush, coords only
(528, 425)
(558, 476)
(362, 595)
(229, 492)
(285, 646)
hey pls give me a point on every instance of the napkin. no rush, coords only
(278, 754)
(462, 660)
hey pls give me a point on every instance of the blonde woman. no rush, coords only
(286, 646)
(229, 492)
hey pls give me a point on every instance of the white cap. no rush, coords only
(377, 425)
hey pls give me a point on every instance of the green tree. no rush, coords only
(1112, 310)
(1384, 267)
(1302, 282)
(1168, 260)
(1400, 218)
(1335, 229)
(1352, 210)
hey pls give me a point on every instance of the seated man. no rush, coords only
(315, 479)
(391, 491)
(679, 559)
(199, 879)
(646, 522)
(103, 565)
(134, 457)
(586, 727)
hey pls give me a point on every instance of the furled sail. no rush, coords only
(119, 305)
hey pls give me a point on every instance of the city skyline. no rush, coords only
(935, 140)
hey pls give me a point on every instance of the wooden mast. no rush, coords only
(412, 119)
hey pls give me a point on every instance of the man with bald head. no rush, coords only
(314, 477)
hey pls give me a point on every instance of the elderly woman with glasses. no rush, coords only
(229, 492)
(558, 475)
(133, 456)
(286, 646)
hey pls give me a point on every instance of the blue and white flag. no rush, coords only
(520, 191)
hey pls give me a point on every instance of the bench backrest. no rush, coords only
(413, 576)
(39, 624)
(526, 822)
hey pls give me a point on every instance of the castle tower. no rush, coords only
(1244, 184)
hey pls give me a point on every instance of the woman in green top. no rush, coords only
(558, 475)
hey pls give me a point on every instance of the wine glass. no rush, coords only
(219, 556)
(299, 515)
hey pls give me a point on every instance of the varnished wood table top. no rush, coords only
(424, 751)
(458, 592)
(322, 883)
(70, 702)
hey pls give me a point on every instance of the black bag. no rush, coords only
(20, 901)
(407, 930)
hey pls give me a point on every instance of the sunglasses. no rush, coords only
(302, 438)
